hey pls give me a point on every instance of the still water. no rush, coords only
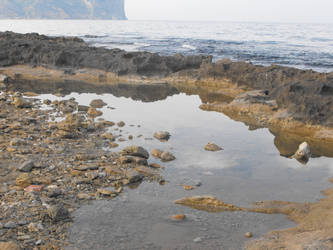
(250, 168)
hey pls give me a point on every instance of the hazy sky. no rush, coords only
(231, 10)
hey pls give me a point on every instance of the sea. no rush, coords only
(301, 45)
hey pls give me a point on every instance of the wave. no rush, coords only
(187, 46)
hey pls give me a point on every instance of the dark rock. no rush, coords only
(133, 176)
(58, 213)
(97, 103)
(135, 151)
(26, 166)
(75, 53)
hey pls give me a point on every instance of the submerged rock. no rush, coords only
(212, 147)
(303, 153)
(207, 203)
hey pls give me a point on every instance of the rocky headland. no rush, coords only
(47, 172)
(60, 9)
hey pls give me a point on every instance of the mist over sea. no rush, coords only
(305, 46)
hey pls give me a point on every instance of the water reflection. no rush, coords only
(286, 144)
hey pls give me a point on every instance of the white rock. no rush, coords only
(303, 152)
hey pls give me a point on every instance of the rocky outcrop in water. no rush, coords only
(61, 9)
(74, 53)
(304, 95)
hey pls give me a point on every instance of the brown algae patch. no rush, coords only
(207, 203)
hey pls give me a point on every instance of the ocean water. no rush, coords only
(305, 46)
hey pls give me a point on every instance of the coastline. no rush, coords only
(285, 100)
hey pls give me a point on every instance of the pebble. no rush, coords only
(248, 235)
(212, 147)
(27, 166)
(179, 217)
(10, 224)
(197, 240)
(162, 135)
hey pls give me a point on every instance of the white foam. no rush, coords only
(187, 46)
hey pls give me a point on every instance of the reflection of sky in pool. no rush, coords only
(249, 169)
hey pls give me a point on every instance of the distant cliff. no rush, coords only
(62, 9)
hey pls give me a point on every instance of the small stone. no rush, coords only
(85, 167)
(113, 145)
(106, 192)
(167, 156)
(30, 94)
(130, 137)
(35, 227)
(47, 102)
(156, 153)
(97, 103)
(38, 242)
(83, 196)
(9, 246)
(303, 153)
(22, 223)
(179, 217)
(188, 187)
(4, 78)
(10, 225)
(133, 176)
(82, 108)
(20, 102)
(26, 166)
(197, 240)
(24, 237)
(92, 112)
(154, 165)
(213, 147)
(58, 213)
(162, 135)
(135, 151)
(23, 180)
(121, 124)
(248, 235)
(34, 188)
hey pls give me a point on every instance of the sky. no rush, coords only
(298, 11)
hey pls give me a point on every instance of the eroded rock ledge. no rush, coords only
(295, 100)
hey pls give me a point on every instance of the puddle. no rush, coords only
(250, 168)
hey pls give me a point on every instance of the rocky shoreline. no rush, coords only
(54, 159)
(49, 168)
(290, 99)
